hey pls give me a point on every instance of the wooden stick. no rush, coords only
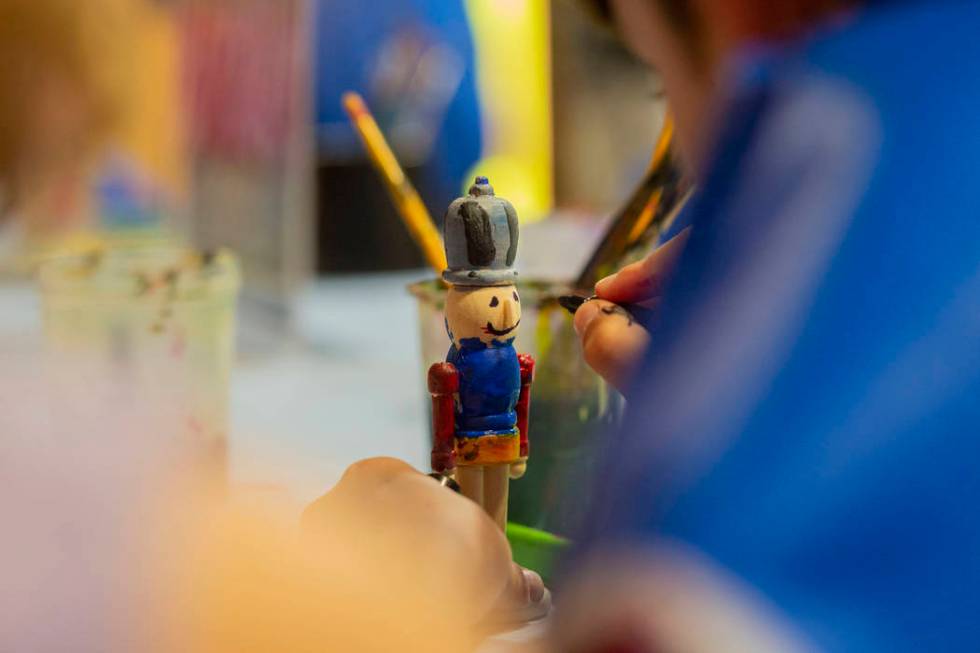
(496, 488)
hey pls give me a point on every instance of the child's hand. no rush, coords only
(394, 522)
(613, 342)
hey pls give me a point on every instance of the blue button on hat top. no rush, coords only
(481, 234)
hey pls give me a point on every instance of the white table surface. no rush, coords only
(348, 385)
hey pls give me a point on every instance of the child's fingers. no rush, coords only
(644, 279)
(612, 341)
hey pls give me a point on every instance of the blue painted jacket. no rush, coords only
(489, 387)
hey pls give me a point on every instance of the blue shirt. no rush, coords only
(808, 416)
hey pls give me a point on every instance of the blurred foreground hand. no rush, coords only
(387, 560)
(613, 343)
(441, 535)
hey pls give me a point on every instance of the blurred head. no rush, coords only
(488, 313)
(689, 42)
(63, 67)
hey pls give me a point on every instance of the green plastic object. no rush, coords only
(535, 549)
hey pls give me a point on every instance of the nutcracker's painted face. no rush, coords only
(487, 313)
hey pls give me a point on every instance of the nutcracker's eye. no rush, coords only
(516, 298)
(494, 301)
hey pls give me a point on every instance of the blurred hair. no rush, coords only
(678, 12)
(80, 47)
(598, 10)
(786, 18)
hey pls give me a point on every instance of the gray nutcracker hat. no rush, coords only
(481, 238)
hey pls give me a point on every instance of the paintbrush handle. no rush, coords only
(410, 207)
(647, 208)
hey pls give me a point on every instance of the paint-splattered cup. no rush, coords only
(156, 324)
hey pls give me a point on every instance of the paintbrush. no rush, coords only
(572, 303)
(649, 209)
(410, 207)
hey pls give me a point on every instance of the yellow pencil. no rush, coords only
(407, 200)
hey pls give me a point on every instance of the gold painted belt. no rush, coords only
(490, 449)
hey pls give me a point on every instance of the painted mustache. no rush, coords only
(499, 332)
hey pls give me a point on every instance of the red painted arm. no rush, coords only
(524, 402)
(443, 385)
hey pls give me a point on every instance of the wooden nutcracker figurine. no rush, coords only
(480, 395)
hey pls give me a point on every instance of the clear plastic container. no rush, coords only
(156, 321)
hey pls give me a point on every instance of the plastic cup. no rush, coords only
(157, 322)
(570, 404)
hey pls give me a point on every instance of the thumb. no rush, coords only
(525, 599)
